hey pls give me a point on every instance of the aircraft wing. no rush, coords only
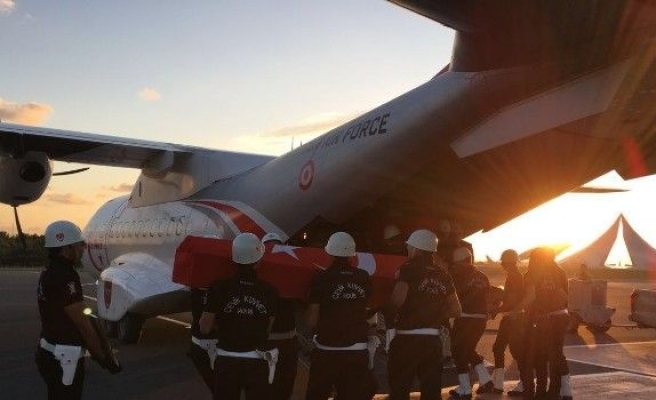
(71, 146)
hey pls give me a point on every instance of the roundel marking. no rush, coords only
(306, 176)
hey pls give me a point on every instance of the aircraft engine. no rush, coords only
(24, 179)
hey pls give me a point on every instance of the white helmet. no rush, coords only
(62, 233)
(247, 249)
(390, 231)
(462, 254)
(270, 237)
(341, 244)
(423, 239)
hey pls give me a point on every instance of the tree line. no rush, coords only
(14, 254)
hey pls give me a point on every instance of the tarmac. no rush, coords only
(618, 364)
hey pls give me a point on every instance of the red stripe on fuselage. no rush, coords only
(243, 222)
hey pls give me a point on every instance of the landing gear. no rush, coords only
(129, 328)
(110, 328)
(601, 328)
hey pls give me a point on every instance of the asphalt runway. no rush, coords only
(605, 365)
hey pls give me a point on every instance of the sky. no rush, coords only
(249, 76)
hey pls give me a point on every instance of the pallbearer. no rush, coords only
(283, 337)
(423, 299)
(242, 310)
(338, 311)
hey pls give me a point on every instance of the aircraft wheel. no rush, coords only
(601, 328)
(129, 328)
(110, 328)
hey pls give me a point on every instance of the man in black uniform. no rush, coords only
(472, 287)
(512, 322)
(242, 309)
(449, 239)
(65, 329)
(283, 337)
(546, 298)
(422, 300)
(338, 310)
(202, 349)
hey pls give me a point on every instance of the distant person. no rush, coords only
(283, 336)
(546, 304)
(242, 310)
(472, 287)
(449, 238)
(422, 301)
(583, 273)
(394, 243)
(510, 332)
(338, 313)
(65, 329)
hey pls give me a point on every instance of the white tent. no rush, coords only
(642, 254)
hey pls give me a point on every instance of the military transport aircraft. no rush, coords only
(539, 98)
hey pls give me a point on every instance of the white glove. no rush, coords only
(389, 336)
(373, 341)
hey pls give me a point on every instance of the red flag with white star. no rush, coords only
(201, 261)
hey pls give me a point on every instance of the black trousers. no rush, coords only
(51, 372)
(533, 370)
(415, 356)
(554, 333)
(466, 334)
(202, 363)
(283, 381)
(345, 371)
(232, 375)
(511, 335)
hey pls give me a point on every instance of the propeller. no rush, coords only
(19, 228)
(70, 172)
(21, 235)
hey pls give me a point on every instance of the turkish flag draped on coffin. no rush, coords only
(200, 261)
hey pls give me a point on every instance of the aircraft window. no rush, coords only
(160, 224)
(163, 227)
(154, 227)
(172, 225)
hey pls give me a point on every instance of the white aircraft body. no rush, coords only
(539, 98)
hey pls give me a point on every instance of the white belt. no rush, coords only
(209, 345)
(356, 346)
(270, 356)
(420, 331)
(479, 316)
(559, 312)
(511, 313)
(67, 357)
(282, 335)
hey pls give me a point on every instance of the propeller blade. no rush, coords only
(21, 236)
(597, 189)
(71, 172)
